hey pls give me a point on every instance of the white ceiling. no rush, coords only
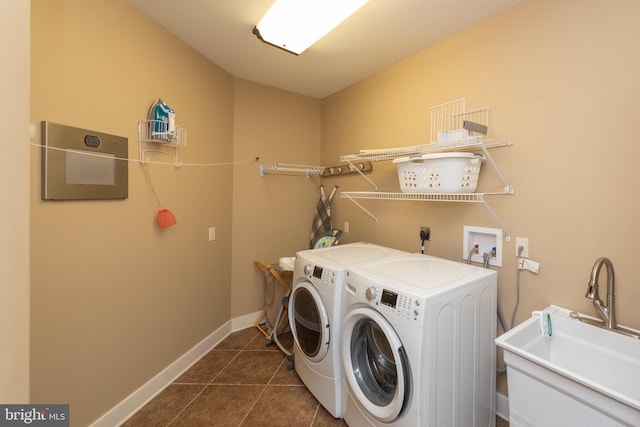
(380, 34)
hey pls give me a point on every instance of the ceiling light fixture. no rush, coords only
(294, 25)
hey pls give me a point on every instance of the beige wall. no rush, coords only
(115, 299)
(272, 215)
(14, 215)
(562, 81)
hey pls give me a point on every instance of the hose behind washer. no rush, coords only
(503, 322)
(287, 352)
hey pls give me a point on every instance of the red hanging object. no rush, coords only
(165, 218)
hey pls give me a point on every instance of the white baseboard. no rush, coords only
(136, 400)
(244, 321)
(502, 406)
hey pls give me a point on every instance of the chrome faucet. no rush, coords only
(606, 311)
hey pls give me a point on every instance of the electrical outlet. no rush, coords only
(212, 234)
(425, 233)
(524, 242)
(345, 228)
(480, 240)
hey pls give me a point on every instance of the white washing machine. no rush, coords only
(417, 343)
(315, 315)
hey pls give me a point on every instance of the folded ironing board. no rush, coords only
(322, 217)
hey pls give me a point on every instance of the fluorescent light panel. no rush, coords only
(294, 25)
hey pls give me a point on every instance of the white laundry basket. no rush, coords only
(439, 173)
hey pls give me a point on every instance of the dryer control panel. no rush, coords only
(397, 304)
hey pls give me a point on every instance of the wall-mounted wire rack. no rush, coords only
(465, 144)
(308, 171)
(151, 139)
(450, 118)
(428, 197)
(290, 169)
(446, 122)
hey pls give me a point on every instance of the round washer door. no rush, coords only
(375, 364)
(309, 321)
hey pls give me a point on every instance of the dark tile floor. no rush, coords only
(241, 382)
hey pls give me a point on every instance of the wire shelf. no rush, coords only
(428, 197)
(425, 197)
(452, 129)
(466, 144)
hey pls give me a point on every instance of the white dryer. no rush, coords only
(315, 315)
(417, 343)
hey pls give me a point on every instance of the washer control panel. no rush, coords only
(322, 275)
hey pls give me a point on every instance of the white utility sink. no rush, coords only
(582, 375)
